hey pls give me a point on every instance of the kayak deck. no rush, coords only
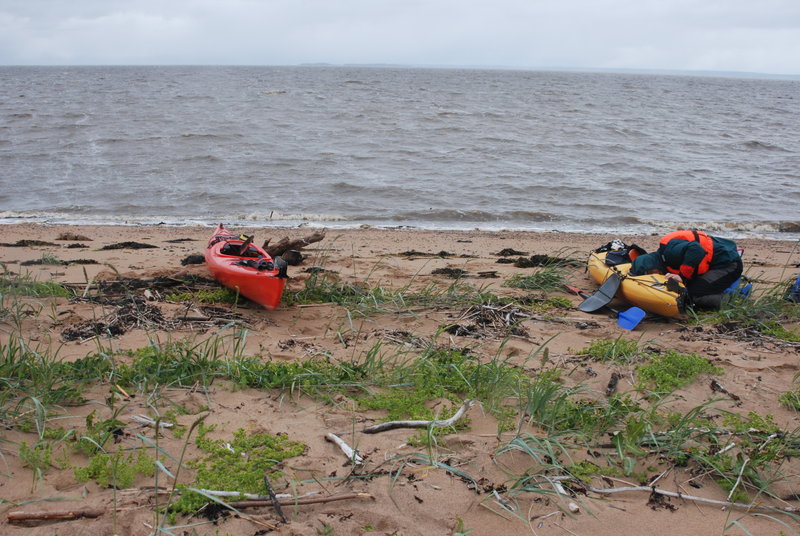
(651, 292)
(245, 268)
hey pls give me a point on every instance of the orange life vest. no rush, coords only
(692, 236)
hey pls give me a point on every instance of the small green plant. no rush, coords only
(585, 470)
(791, 399)
(617, 350)
(775, 329)
(118, 469)
(546, 279)
(48, 259)
(325, 530)
(39, 458)
(27, 370)
(27, 286)
(460, 530)
(99, 433)
(237, 465)
(672, 370)
(219, 295)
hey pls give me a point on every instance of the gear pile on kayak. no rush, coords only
(246, 268)
(654, 293)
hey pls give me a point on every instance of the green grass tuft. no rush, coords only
(26, 286)
(617, 350)
(672, 370)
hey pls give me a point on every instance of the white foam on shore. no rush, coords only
(763, 229)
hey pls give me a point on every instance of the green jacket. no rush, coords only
(677, 253)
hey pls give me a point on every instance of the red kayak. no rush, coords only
(242, 266)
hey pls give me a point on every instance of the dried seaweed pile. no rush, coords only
(132, 304)
(490, 321)
(132, 312)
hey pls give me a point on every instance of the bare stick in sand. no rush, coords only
(16, 517)
(309, 500)
(392, 425)
(147, 421)
(351, 454)
(275, 502)
(657, 491)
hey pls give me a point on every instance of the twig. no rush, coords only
(351, 454)
(310, 500)
(392, 425)
(274, 499)
(147, 421)
(15, 517)
(252, 496)
(545, 516)
(739, 479)
(607, 491)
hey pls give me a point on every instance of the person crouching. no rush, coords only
(706, 264)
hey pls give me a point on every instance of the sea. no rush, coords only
(400, 147)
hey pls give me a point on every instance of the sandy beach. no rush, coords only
(469, 478)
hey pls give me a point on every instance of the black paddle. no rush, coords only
(603, 296)
(625, 319)
(246, 244)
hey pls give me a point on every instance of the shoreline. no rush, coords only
(763, 230)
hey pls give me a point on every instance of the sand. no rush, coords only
(420, 499)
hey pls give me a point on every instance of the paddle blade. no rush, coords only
(630, 319)
(603, 296)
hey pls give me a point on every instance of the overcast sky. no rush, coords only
(760, 36)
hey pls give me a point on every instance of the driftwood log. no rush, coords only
(284, 244)
(18, 517)
(393, 425)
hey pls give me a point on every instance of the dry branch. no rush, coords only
(284, 244)
(309, 500)
(16, 517)
(351, 454)
(392, 425)
(657, 491)
(275, 502)
(147, 421)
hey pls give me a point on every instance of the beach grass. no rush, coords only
(554, 418)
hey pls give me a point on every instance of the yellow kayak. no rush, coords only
(649, 292)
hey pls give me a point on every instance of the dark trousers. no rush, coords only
(714, 282)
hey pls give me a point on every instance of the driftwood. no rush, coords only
(351, 454)
(657, 491)
(275, 502)
(253, 496)
(16, 517)
(147, 421)
(392, 425)
(308, 500)
(284, 244)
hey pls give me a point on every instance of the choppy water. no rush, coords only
(429, 148)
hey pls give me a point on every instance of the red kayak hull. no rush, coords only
(264, 287)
